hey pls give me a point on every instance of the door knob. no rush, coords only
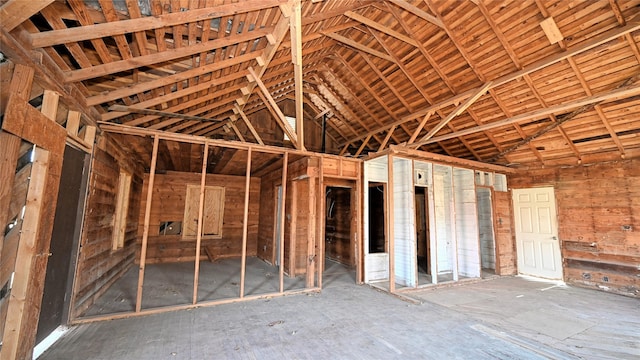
(554, 238)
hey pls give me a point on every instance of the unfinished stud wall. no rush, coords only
(296, 213)
(98, 264)
(168, 204)
(598, 222)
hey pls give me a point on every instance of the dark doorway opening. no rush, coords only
(377, 243)
(64, 243)
(338, 223)
(423, 250)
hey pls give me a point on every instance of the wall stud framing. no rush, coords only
(147, 216)
(285, 167)
(245, 224)
(203, 181)
(390, 229)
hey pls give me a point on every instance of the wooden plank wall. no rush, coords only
(301, 222)
(504, 233)
(598, 222)
(98, 265)
(168, 204)
(295, 212)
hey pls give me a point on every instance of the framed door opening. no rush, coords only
(377, 219)
(340, 227)
(423, 246)
(65, 240)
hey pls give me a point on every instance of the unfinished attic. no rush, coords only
(166, 155)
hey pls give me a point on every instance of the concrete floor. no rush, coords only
(172, 284)
(504, 318)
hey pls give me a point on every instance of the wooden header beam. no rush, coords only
(159, 113)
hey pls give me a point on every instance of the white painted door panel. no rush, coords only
(537, 241)
(404, 243)
(376, 267)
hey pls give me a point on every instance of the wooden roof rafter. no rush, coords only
(535, 66)
(425, 53)
(417, 86)
(370, 91)
(328, 105)
(275, 39)
(615, 95)
(574, 66)
(337, 103)
(354, 97)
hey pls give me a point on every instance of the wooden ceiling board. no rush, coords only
(177, 65)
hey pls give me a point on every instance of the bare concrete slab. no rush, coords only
(347, 321)
(172, 284)
(586, 323)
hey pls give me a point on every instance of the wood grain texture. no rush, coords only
(596, 221)
(168, 204)
(98, 264)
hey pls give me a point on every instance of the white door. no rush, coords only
(537, 241)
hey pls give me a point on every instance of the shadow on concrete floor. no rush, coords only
(505, 318)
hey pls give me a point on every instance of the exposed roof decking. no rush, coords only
(370, 65)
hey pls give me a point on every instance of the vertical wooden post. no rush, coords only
(25, 257)
(359, 253)
(203, 181)
(293, 231)
(50, 104)
(73, 122)
(390, 207)
(322, 200)
(433, 235)
(311, 233)
(147, 216)
(454, 240)
(9, 152)
(295, 30)
(245, 223)
(285, 167)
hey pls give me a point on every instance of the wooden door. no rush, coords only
(537, 243)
